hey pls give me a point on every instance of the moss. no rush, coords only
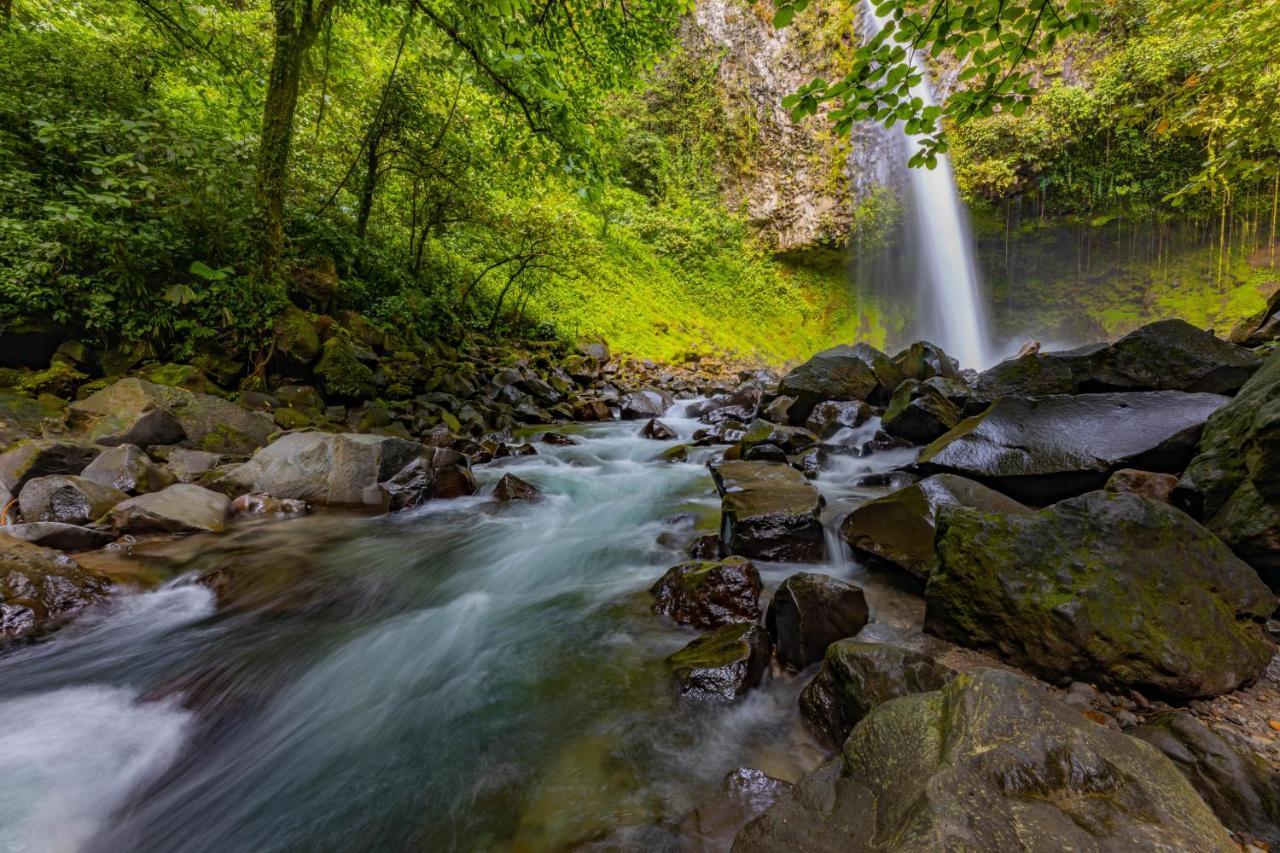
(296, 337)
(341, 374)
(184, 376)
(291, 418)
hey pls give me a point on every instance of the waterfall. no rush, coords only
(935, 252)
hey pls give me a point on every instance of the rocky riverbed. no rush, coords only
(875, 602)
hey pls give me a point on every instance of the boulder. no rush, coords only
(645, 404)
(708, 594)
(40, 589)
(923, 360)
(657, 430)
(919, 413)
(1240, 787)
(1173, 355)
(60, 536)
(1031, 375)
(42, 457)
(133, 411)
(859, 676)
(190, 465)
(898, 529)
(1262, 327)
(437, 473)
(830, 416)
(706, 547)
(809, 612)
(592, 410)
(24, 417)
(70, 500)
(1233, 485)
(512, 488)
(127, 468)
(840, 373)
(1147, 484)
(181, 508)
(789, 439)
(1106, 588)
(341, 374)
(1042, 450)
(989, 762)
(722, 665)
(768, 511)
(297, 342)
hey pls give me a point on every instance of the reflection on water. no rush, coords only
(469, 676)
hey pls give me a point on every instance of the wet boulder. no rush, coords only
(437, 473)
(645, 404)
(923, 360)
(919, 413)
(787, 438)
(190, 465)
(840, 373)
(1031, 375)
(43, 457)
(127, 468)
(1146, 484)
(722, 665)
(512, 488)
(1233, 485)
(709, 593)
(1236, 782)
(898, 529)
(859, 676)
(768, 511)
(1045, 449)
(1261, 327)
(1173, 355)
(830, 416)
(656, 430)
(181, 508)
(809, 612)
(739, 404)
(989, 762)
(1108, 588)
(707, 547)
(59, 536)
(66, 499)
(40, 589)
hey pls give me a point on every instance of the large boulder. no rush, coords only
(809, 612)
(437, 473)
(989, 762)
(788, 439)
(134, 411)
(340, 372)
(1042, 450)
(1173, 355)
(830, 416)
(328, 469)
(60, 536)
(645, 404)
(181, 508)
(127, 468)
(722, 665)
(919, 413)
(768, 511)
(43, 457)
(708, 594)
(1233, 485)
(40, 589)
(923, 360)
(898, 529)
(1241, 788)
(70, 500)
(1107, 588)
(843, 372)
(858, 676)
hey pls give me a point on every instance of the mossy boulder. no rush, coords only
(40, 589)
(708, 594)
(297, 338)
(185, 376)
(722, 665)
(991, 762)
(341, 374)
(840, 373)
(33, 458)
(919, 413)
(923, 360)
(26, 417)
(61, 379)
(768, 511)
(788, 439)
(1234, 482)
(898, 529)
(1173, 355)
(1107, 588)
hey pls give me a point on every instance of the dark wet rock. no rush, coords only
(1046, 449)
(645, 404)
(1260, 328)
(919, 413)
(1108, 588)
(859, 676)
(181, 508)
(787, 438)
(558, 439)
(1240, 787)
(1234, 482)
(887, 480)
(778, 409)
(512, 488)
(882, 442)
(679, 453)
(1147, 484)
(60, 536)
(301, 397)
(1174, 355)
(841, 373)
(67, 499)
(757, 789)
(809, 612)
(708, 594)
(43, 457)
(722, 665)
(830, 416)
(768, 511)
(328, 469)
(708, 547)
(40, 589)
(739, 404)
(133, 411)
(127, 468)
(657, 430)
(592, 410)
(1032, 375)
(765, 453)
(190, 465)
(923, 360)
(436, 473)
(989, 762)
(899, 529)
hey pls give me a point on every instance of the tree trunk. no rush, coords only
(6, 12)
(369, 185)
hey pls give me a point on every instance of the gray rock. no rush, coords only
(42, 457)
(189, 466)
(60, 536)
(181, 508)
(645, 404)
(127, 468)
(70, 500)
(840, 373)
(40, 589)
(919, 413)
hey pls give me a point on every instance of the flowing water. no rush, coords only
(468, 676)
(935, 253)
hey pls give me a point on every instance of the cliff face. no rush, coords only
(796, 186)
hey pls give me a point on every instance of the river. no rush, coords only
(468, 676)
